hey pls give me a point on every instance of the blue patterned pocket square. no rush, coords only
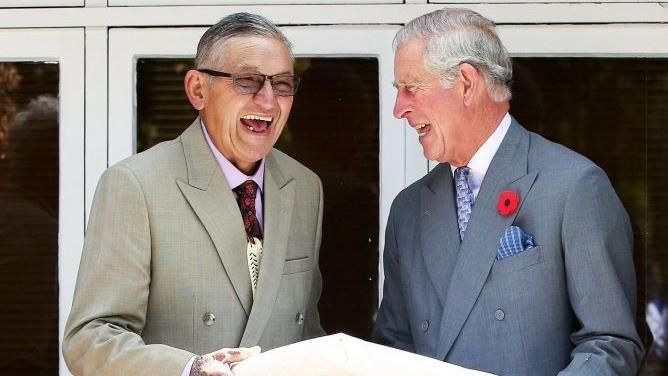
(513, 241)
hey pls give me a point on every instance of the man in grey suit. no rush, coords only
(210, 240)
(512, 256)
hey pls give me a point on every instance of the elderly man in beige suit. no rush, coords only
(210, 240)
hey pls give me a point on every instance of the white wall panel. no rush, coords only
(244, 2)
(40, 3)
(368, 14)
(96, 109)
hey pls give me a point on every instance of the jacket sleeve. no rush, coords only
(597, 245)
(102, 335)
(392, 322)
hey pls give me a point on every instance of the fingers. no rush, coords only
(207, 365)
(217, 363)
(236, 354)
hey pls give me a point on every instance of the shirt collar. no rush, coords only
(482, 158)
(232, 174)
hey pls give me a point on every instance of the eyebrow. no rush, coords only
(397, 85)
(247, 68)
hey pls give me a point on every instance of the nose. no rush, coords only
(266, 98)
(402, 105)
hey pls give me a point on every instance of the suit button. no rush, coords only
(299, 319)
(424, 325)
(499, 314)
(209, 319)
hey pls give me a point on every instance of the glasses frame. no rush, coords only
(234, 78)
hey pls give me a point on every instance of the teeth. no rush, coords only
(257, 117)
(418, 129)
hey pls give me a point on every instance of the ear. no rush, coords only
(195, 87)
(470, 81)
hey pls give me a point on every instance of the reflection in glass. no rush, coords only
(29, 218)
(333, 130)
(614, 111)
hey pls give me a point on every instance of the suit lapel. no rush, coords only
(508, 170)
(440, 232)
(279, 196)
(212, 200)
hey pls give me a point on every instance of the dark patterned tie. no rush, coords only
(464, 199)
(246, 193)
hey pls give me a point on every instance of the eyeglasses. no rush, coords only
(250, 83)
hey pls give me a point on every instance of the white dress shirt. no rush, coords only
(482, 158)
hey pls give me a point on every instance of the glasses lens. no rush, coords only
(284, 85)
(250, 84)
(281, 85)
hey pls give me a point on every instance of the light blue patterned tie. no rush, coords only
(464, 198)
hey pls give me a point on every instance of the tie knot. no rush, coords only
(462, 174)
(247, 189)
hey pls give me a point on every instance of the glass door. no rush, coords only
(341, 126)
(41, 193)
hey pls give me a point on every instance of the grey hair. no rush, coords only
(454, 36)
(235, 25)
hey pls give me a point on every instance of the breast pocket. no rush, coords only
(297, 265)
(520, 261)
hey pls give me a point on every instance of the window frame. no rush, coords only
(66, 47)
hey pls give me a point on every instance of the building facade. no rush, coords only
(86, 83)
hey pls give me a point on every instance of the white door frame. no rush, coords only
(66, 47)
(40, 3)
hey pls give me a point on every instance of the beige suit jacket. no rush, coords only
(165, 253)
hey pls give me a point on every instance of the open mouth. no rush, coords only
(422, 129)
(256, 123)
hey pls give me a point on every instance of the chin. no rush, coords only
(429, 155)
(257, 155)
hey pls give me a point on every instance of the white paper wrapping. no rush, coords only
(343, 355)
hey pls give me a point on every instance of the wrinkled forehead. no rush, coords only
(253, 54)
(409, 61)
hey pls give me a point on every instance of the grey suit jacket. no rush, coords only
(166, 248)
(565, 307)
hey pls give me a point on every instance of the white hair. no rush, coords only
(454, 36)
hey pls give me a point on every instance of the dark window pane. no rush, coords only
(29, 218)
(334, 130)
(614, 111)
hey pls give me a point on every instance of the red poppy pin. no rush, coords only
(507, 203)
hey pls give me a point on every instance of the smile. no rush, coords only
(422, 129)
(256, 123)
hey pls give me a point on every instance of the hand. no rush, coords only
(217, 363)
(235, 355)
(656, 317)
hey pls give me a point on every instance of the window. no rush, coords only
(29, 217)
